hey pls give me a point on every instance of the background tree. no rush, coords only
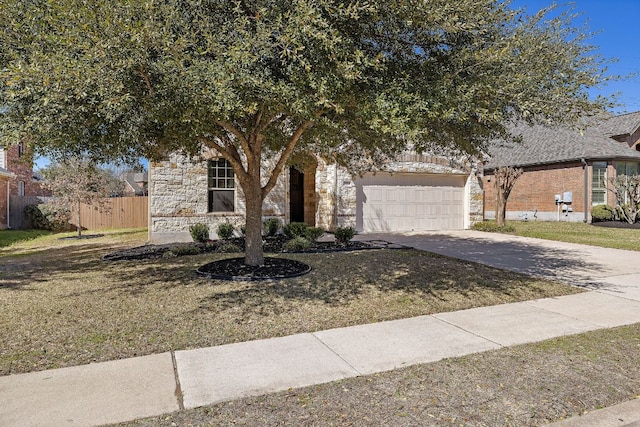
(259, 80)
(76, 181)
(626, 188)
(505, 178)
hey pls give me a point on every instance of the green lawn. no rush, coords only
(578, 232)
(9, 237)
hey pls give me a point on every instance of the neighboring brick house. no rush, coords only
(414, 193)
(568, 162)
(135, 183)
(16, 180)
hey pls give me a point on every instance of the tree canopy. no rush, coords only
(255, 79)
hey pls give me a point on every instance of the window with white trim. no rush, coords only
(222, 185)
(627, 168)
(20, 188)
(599, 183)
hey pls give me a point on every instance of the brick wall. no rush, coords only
(3, 203)
(22, 166)
(535, 191)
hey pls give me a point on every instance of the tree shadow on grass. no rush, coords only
(338, 280)
(19, 271)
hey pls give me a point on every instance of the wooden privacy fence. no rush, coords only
(17, 204)
(115, 212)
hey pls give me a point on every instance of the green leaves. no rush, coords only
(138, 77)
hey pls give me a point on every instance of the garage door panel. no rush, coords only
(406, 202)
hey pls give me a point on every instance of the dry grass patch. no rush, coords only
(63, 305)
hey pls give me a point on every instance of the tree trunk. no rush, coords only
(79, 227)
(501, 204)
(505, 178)
(253, 254)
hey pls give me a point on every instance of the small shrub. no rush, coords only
(492, 227)
(601, 213)
(47, 217)
(225, 230)
(271, 226)
(295, 229)
(181, 250)
(243, 229)
(313, 233)
(344, 234)
(297, 244)
(228, 248)
(199, 232)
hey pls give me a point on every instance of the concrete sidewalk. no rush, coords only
(127, 389)
(140, 387)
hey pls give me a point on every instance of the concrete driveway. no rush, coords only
(611, 271)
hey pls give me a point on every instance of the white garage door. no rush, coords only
(410, 202)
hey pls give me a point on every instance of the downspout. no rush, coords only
(585, 166)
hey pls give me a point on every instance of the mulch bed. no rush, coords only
(271, 245)
(83, 236)
(616, 224)
(234, 268)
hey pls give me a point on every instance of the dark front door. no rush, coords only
(296, 195)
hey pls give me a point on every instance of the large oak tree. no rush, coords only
(264, 78)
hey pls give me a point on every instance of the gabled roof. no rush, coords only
(137, 181)
(547, 145)
(624, 124)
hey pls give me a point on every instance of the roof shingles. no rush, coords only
(547, 145)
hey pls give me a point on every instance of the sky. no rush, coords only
(615, 22)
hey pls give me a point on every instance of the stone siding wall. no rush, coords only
(178, 190)
(475, 200)
(178, 194)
